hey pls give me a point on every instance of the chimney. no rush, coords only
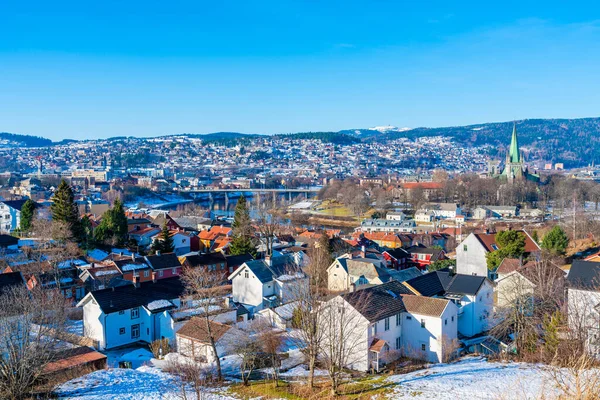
(133, 257)
(268, 260)
(363, 252)
(158, 252)
(121, 253)
(451, 271)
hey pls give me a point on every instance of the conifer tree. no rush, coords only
(65, 210)
(242, 237)
(27, 215)
(164, 242)
(556, 241)
(113, 226)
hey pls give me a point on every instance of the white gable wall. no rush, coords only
(249, 290)
(470, 257)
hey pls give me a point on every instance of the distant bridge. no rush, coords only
(217, 190)
(225, 194)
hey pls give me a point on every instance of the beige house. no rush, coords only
(193, 339)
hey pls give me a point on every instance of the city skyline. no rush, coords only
(77, 71)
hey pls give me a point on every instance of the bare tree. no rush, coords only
(344, 331)
(191, 375)
(31, 323)
(249, 351)
(271, 343)
(268, 224)
(526, 298)
(308, 333)
(204, 288)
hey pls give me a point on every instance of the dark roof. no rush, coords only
(237, 260)
(584, 275)
(398, 253)
(163, 261)
(420, 249)
(265, 273)
(439, 283)
(197, 260)
(8, 240)
(125, 297)
(16, 204)
(9, 280)
(431, 284)
(465, 284)
(378, 302)
(136, 221)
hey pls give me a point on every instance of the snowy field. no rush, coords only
(472, 378)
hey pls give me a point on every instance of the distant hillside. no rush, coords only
(219, 135)
(326, 137)
(573, 141)
(16, 140)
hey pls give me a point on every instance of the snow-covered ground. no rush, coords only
(144, 383)
(474, 378)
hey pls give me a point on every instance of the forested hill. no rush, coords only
(16, 140)
(573, 141)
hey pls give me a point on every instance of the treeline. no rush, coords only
(26, 140)
(325, 137)
(576, 142)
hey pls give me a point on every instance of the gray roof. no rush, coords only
(378, 302)
(584, 275)
(265, 272)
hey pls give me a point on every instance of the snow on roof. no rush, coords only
(158, 304)
(97, 254)
(69, 263)
(290, 277)
(133, 267)
(106, 272)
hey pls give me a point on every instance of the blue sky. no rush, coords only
(98, 69)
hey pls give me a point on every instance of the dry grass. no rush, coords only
(358, 389)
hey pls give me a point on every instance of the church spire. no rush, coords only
(514, 146)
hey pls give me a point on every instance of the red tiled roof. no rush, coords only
(489, 239)
(377, 345)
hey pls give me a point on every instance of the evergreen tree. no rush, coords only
(113, 226)
(242, 235)
(164, 242)
(556, 241)
(65, 210)
(511, 244)
(27, 215)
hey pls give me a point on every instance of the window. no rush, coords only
(246, 274)
(222, 265)
(146, 274)
(398, 343)
(423, 347)
(135, 313)
(160, 273)
(446, 321)
(464, 247)
(453, 318)
(408, 317)
(398, 319)
(174, 271)
(375, 328)
(121, 331)
(422, 323)
(387, 324)
(135, 331)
